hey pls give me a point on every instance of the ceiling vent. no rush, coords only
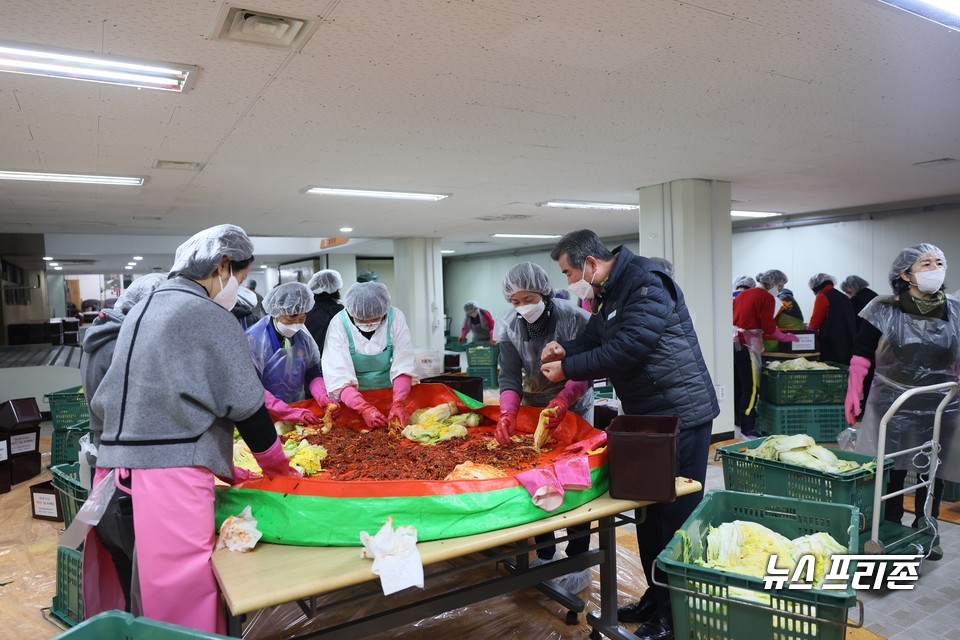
(179, 165)
(238, 24)
(510, 217)
(934, 164)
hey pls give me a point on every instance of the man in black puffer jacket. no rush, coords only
(641, 337)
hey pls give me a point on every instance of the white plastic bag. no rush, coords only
(847, 439)
(88, 460)
(90, 513)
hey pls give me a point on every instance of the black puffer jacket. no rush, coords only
(318, 319)
(642, 338)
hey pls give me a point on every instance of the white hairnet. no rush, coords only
(326, 281)
(526, 276)
(292, 298)
(138, 290)
(744, 281)
(199, 256)
(470, 305)
(904, 261)
(819, 280)
(853, 284)
(773, 277)
(367, 300)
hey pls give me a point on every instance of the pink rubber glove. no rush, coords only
(509, 406)
(573, 472)
(274, 462)
(859, 367)
(318, 390)
(241, 475)
(543, 487)
(591, 443)
(780, 336)
(399, 415)
(370, 414)
(572, 391)
(280, 410)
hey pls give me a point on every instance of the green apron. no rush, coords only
(373, 372)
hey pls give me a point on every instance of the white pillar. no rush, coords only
(419, 283)
(346, 265)
(688, 223)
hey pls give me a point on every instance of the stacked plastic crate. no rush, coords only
(803, 401)
(482, 362)
(70, 417)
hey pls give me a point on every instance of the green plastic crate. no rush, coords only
(750, 474)
(699, 616)
(117, 625)
(489, 375)
(65, 445)
(482, 355)
(827, 386)
(67, 407)
(66, 480)
(823, 422)
(951, 491)
(453, 344)
(605, 391)
(67, 605)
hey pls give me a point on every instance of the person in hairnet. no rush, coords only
(860, 293)
(911, 339)
(535, 320)
(100, 339)
(180, 380)
(286, 356)
(786, 312)
(478, 322)
(832, 319)
(742, 284)
(325, 285)
(368, 346)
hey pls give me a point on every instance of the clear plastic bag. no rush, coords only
(847, 439)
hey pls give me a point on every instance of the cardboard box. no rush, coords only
(807, 343)
(24, 441)
(24, 467)
(19, 413)
(45, 502)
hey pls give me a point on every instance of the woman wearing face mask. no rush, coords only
(535, 320)
(180, 379)
(912, 338)
(286, 356)
(478, 322)
(368, 346)
(786, 313)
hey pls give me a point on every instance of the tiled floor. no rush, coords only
(930, 611)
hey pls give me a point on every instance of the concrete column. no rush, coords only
(419, 283)
(688, 223)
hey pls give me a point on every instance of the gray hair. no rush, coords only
(578, 245)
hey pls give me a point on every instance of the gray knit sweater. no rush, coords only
(180, 377)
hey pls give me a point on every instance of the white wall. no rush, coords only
(384, 269)
(863, 247)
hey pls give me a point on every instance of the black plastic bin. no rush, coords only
(19, 413)
(467, 385)
(642, 454)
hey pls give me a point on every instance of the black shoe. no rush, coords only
(659, 628)
(640, 611)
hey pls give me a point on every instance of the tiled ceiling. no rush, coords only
(804, 106)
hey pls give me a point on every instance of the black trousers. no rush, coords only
(663, 520)
(893, 508)
(743, 370)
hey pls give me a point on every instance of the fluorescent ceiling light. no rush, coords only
(945, 12)
(583, 204)
(390, 195)
(128, 267)
(263, 266)
(77, 178)
(54, 264)
(525, 235)
(58, 268)
(346, 229)
(132, 264)
(754, 214)
(48, 258)
(448, 251)
(33, 60)
(138, 258)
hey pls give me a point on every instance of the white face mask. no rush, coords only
(289, 330)
(369, 327)
(583, 289)
(774, 291)
(930, 281)
(531, 312)
(227, 298)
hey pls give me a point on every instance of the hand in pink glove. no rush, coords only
(372, 416)
(280, 410)
(561, 406)
(780, 336)
(318, 390)
(591, 443)
(505, 427)
(859, 367)
(274, 462)
(398, 415)
(241, 475)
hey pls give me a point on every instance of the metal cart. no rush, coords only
(892, 537)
